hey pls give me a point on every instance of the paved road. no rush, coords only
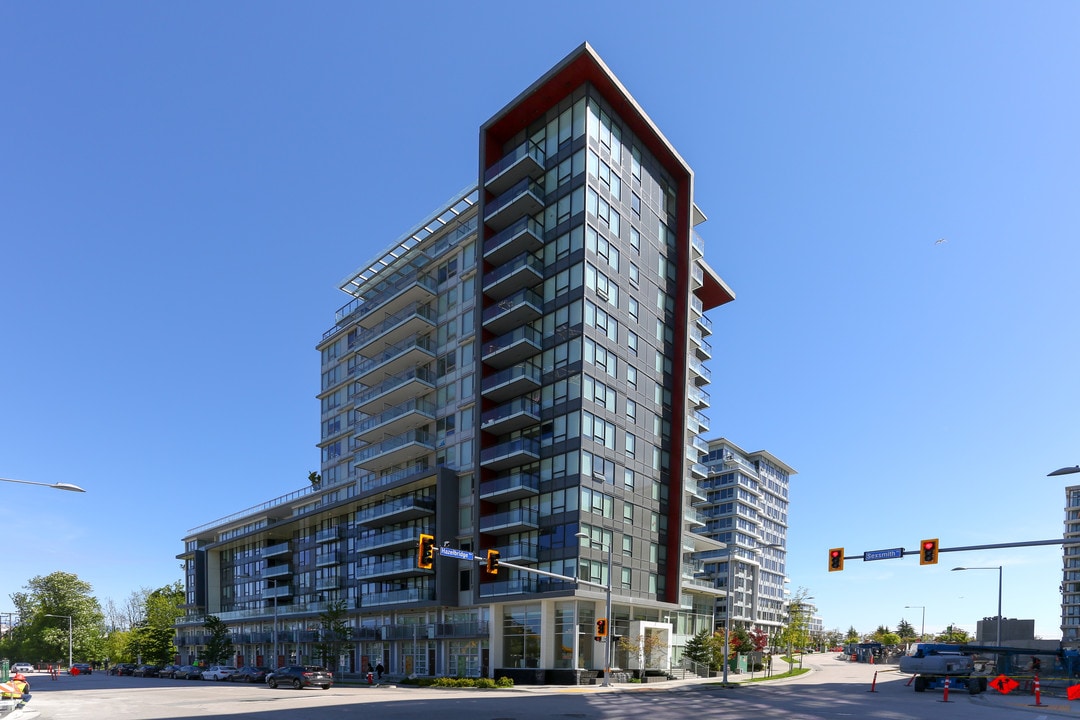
(835, 690)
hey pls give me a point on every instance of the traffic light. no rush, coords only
(493, 562)
(601, 627)
(928, 553)
(425, 553)
(836, 559)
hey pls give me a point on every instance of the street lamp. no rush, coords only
(1064, 471)
(69, 635)
(922, 632)
(607, 610)
(54, 486)
(999, 569)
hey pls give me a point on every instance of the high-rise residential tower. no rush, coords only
(746, 508)
(523, 372)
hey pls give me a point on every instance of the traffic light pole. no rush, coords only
(996, 546)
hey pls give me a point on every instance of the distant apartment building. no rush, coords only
(746, 507)
(524, 371)
(1070, 581)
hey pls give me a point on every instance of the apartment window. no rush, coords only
(635, 275)
(632, 342)
(630, 444)
(631, 376)
(628, 512)
(628, 478)
(631, 410)
(635, 239)
(635, 163)
(628, 546)
(632, 307)
(635, 205)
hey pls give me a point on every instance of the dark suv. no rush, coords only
(301, 676)
(122, 669)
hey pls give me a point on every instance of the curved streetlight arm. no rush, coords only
(54, 486)
(1064, 471)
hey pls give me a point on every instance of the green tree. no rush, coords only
(38, 637)
(852, 635)
(796, 634)
(153, 639)
(333, 632)
(219, 645)
(699, 649)
(740, 641)
(905, 631)
(954, 635)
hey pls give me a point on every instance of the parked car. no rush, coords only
(146, 671)
(122, 669)
(188, 672)
(22, 668)
(300, 677)
(167, 671)
(251, 674)
(218, 672)
(83, 668)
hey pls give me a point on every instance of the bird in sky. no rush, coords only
(940, 241)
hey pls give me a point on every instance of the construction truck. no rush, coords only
(932, 664)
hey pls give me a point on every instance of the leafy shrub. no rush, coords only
(504, 682)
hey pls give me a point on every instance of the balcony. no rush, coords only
(404, 448)
(279, 590)
(513, 311)
(525, 198)
(701, 418)
(524, 271)
(705, 324)
(395, 390)
(276, 571)
(514, 415)
(407, 479)
(410, 321)
(511, 382)
(396, 510)
(510, 454)
(703, 375)
(327, 559)
(525, 235)
(519, 552)
(272, 550)
(699, 471)
(392, 541)
(396, 420)
(510, 521)
(691, 487)
(693, 518)
(328, 535)
(514, 347)
(518, 586)
(412, 351)
(389, 569)
(390, 298)
(526, 160)
(328, 583)
(510, 487)
(699, 444)
(399, 597)
(461, 630)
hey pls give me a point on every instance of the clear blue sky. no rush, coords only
(182, 186)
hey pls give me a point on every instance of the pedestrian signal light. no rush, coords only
(425, 553)
(601, 627)
(493, 562)
(836, 559)
(929, 552)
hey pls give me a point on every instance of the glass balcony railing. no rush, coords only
(524, 371)
(520, 406)
(424, 374)
(372, 482)
(418, 309)
(524, 234)
(424, 343)
(424, 407)
(525, 260)
(525, 187)
(527, 149)
(519, 299)
(515, 484)
(384, 292)
(525, 333)
(420, 437)
(513, 448)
